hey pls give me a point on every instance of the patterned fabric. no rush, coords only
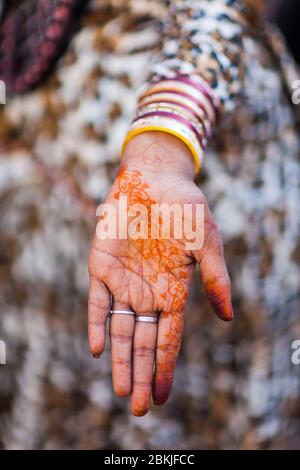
(32, 35)
(200, 28)
(235, 386)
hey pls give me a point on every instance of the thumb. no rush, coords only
(215, 275)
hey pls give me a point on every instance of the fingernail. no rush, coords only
(225, 315)
(161, 391)
(96, 356)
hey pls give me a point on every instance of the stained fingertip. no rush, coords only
(141, 398)
(225, 313)
(122, 391)
(162, 389)
(219, 295)
(230, 316)
(139, 404)
(96, 341)
(121, 378)
(139, 412)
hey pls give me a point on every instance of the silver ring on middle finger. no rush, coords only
(121, 312)
(145, 319)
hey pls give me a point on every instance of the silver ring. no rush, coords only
(122, 312)
(146, 319)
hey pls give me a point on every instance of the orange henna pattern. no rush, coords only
(167, 268)
(165, 258)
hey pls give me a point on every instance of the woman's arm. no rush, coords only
(198, 74)
(205, 37)
(202, 60)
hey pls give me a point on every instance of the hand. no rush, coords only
(151, 276)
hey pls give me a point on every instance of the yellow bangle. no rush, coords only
(139, 130)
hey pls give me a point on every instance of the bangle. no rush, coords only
(172, 98)
(185, 90)
(191, 83)
(197, 82)
(184, 106)
(169, 113)
(177, 108)
(178, 95)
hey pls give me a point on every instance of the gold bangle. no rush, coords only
(174, 109)
(180, 101)
(140, 130)
(188, 90)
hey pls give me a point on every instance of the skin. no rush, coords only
(152, 276)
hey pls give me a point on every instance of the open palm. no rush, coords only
(152, 277)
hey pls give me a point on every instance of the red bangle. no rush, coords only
(179, 93)
(179, 118)
(183, 106)
(188, 81)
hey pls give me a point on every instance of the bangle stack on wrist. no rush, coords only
(184, 106)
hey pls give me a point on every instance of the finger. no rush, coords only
(98, 310)
(170, 329)
(144, 344)
(215, 275)
(121, 335)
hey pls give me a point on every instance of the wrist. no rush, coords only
(159, 153)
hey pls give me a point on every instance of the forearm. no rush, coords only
(197, 76)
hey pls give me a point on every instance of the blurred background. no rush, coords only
(235, 387)
(286, 15)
